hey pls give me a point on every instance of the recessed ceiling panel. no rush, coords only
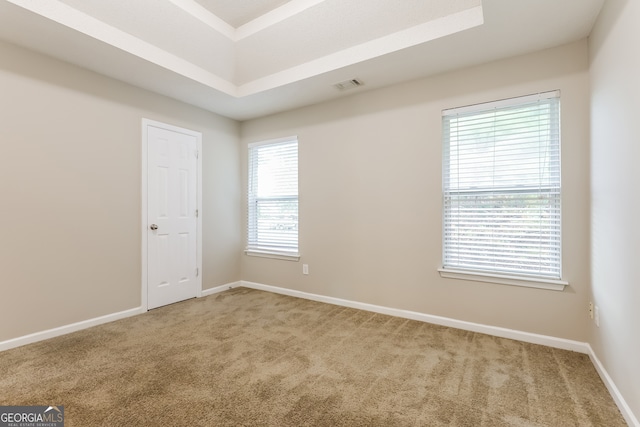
(333, 26)
(239, 12)
(168, 27)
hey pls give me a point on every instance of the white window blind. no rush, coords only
(501, 187)
(273, 197)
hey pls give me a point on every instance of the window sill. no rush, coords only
(274, 255)
(503, 279)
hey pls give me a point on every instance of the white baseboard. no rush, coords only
(628, 415)
(549, 341)
(67, 329)
(218, 289)
(560, 343)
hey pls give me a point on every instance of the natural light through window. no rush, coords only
(272, 228)
(501, 189)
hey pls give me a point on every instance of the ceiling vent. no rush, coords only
(348, 84)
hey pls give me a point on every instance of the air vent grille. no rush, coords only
(348, 84)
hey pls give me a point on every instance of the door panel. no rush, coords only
(172, 204)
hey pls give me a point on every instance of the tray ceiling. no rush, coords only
(247, 58)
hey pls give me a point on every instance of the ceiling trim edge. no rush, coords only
(265, 21)
(92, 27)
(403, 39)
(194, 9)
(86, 24)
(274, 17)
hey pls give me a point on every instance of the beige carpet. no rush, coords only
(252, 358)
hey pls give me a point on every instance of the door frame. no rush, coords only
(146, 123)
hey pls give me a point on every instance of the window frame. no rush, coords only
(500, 277)
(253, 247)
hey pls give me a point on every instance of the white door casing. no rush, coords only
(171, 224)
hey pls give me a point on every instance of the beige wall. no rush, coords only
(370, 196)
(615, 68)
(70, 174)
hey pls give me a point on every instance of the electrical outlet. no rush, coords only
(591, 310)
(597, 319)
(305, 268)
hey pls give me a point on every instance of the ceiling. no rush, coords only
(249, 58)
(239, 12)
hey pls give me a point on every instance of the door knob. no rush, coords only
(153, 227)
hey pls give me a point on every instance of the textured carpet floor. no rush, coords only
(252, 358)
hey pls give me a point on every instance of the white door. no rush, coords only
(172, 223)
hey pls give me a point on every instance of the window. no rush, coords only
(501, 191)
(273, 199)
